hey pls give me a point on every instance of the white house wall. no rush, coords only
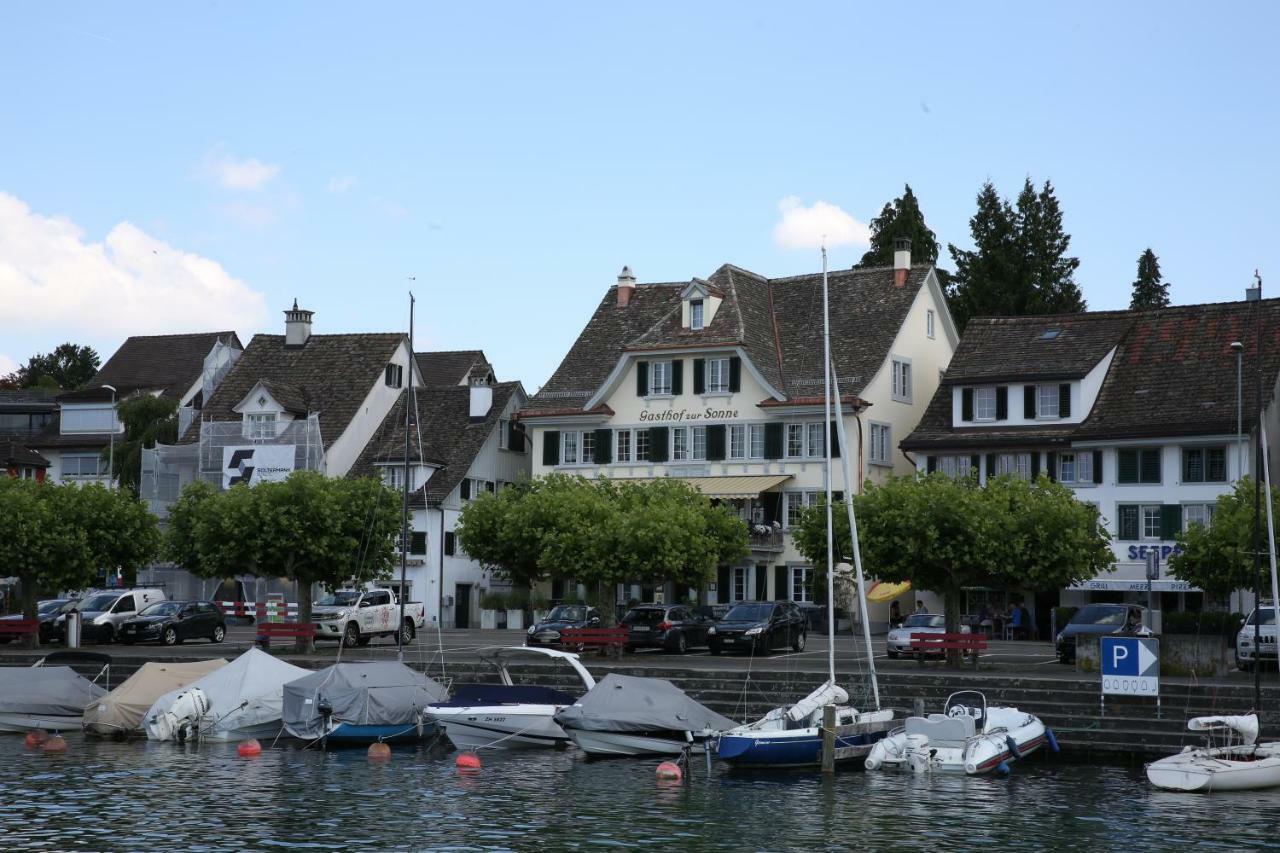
(343, 450)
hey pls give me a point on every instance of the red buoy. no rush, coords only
(35, 738)
(670, 771)
(249, 748)
(379, 752)
(468, 761)
(55, 743)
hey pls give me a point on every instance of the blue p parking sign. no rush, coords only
(1130, 666)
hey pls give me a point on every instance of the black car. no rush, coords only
(546, 632)
(51, 624)
(1095, 620)
(671, 627)
(759, 627)
(47, 609)
(171, 622)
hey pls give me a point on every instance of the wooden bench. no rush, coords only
(11, 628)
(267, 631)
(926, 644)
(609, 641)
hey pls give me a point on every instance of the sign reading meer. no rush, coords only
(256, 463)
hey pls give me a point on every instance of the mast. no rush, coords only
(826, 408)
(404, 507)
(1271, 523)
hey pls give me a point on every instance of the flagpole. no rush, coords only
(826, 407)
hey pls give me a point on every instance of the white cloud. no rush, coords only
(805, 227)
(7, 365)
(342, 183)
(233, 174)
(52, 278)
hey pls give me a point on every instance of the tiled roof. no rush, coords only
(447, 367)
(449, 437)
(778, 322)
(1025, 348)
(15, 453)
(51, 437)
(169, 364)
(330, 375)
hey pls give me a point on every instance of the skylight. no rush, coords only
(1050, 334)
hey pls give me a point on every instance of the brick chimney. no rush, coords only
(297, 326)
(901, 260)
(626, 287)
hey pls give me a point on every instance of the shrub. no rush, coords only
(493, 601)
(1206, 623)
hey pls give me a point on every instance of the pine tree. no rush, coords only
(1150, 290)
(976, 286)
(1049, 269)
(900, 218)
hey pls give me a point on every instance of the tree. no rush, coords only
(147, 421)
(900, 218)
(1149, 289)
(68, 367)
(1219, 558)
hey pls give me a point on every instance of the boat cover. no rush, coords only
(122, 709)
(628, 703)
(384, 693)
(827, 694)
(246, 692)
(52, 690)
(1246, 726)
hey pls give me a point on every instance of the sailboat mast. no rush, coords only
(826, 408)
(1271, 522)
(404, 507)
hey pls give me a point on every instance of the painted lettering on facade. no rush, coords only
(1139, 552)
(681, 415)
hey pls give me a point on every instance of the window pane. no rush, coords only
(1216, 463)
(624, 445)
(737, 442)
(570, 455)
(1084, 468)
(757, 441)
(1193, 465)
(718, 375)
(679, 444)
(795, 502)
(984, 404)
(1150, 466)
(1047, 401)
(661, 377)
(588, 446)
(699, 442)
(1128, 522)
(1067, 468)
(695, 313)
(1151, 522)
(815, 440)
(795, 439)
(642, 445)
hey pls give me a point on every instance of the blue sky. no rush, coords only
(182, 167)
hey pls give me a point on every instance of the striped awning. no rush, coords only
(726, 487)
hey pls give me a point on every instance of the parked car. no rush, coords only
(675, 628)
(759, 627)
(50, 629)
(102, 613)
(172, 622)
(1247, 656)
(44, 610)
(1095, 620)
(899, 640)
(546, 632)
(354, 617)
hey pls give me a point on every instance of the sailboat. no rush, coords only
(791, 736)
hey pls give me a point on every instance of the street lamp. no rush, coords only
(111, 452)
(1238, 348)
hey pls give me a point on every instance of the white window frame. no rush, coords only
(754, 432)
(717, 376)
(640, 455)
(1018, 464)
(953, 465)
(737, 441)
(798, 430)
(504, 427)
(881, 439)
(393, 476)
(588, 453)
(1142, 522)
(698, 443)
(622, 446)
(813, 438)
(261, 425)
(100, 466)
(1198, 513)
(660, 379)
(680, 444)
(1081, 463)
(739, 583)
(981, 398)
(1047, 399)
(570, 447)
(901, 378)
(788, 500)
(928, 323)
(800, 584)
(697, 311)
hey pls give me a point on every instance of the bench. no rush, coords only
(926, 644)
(11, 628)
(298, 631)
(609, 641)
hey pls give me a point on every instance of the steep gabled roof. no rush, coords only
(1061, 346)
(447, 367)
(16, 453)
(169, 364)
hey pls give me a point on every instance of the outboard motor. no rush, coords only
(918, 753)
(182, 720)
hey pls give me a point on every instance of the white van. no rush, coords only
(102, 612)
(1247, 655)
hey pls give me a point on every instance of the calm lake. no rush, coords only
(148, 796)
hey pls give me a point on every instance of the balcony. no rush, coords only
(762, 537)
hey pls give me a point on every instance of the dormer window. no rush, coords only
(695, 314)
(259, 425)
(394, 375)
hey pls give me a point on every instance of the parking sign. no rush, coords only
(1130, 666)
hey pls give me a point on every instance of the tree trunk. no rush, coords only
(30, 610)
(305, 645)
(951, 607)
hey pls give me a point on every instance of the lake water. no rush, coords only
(146, 796)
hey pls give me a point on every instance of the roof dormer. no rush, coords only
(268, 408)
(698, 305)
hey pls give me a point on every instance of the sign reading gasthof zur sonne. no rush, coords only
(1130, 666)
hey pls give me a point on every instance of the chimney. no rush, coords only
(297, 326)
(626, 287)
(901, 260)
(481, 391)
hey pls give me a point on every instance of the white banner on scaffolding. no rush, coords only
(256, 463)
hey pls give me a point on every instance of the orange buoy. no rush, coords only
(670, 771)
(468, 761)
(55, 743)
(35, 738)
(249, 748)
(379, 752)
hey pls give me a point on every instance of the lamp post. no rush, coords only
(111, 451)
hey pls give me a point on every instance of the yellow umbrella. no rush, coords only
(882, 591)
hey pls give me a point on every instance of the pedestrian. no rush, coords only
(1015, 621)
(895, 614)
(920, 608)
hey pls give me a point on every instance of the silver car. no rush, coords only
(1257, 643)
(899, 640)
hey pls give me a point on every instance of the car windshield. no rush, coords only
(644, 616)
(1100, 615)
(51, 607)
(345, 598)
(924, 620)
(98, 603)
(73, 604)
(162, 608)
(749, 613)
(1268, 615)
(568, 613)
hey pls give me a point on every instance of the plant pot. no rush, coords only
(488, 619)
(515, 620)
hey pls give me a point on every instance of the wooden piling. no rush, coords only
(829, 739)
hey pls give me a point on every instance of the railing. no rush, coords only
(760, 540)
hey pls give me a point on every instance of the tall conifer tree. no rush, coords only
(900, 218)
(1150, 290)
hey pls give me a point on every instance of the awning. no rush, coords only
(725, 487)
(882, 591)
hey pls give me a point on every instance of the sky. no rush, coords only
(197, 166)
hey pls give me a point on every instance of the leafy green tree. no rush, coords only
(1219, 558)
(68, 367)
(1150, 290)
(147, 421)
(901, 217)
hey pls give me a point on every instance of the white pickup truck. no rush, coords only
(354, 617)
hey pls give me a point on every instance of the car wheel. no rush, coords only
(891, 654)
(106, 635)
(682, 645)
(764, 649)
(170, 636)
(797, 645)
(351, 635)
(364, 641)
(219, 634)
(407, 633)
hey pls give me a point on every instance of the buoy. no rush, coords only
(1013, 746)
(670, 771)
(249, 748)
(1053, 740)
(35, 738)
(379, 752)
(55, 743)
(468, 761)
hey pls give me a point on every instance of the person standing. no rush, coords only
(1015, 621)
(895, 614)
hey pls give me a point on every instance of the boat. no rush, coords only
(1237, 763)
(967, 737)
(361, 703)
(240, 701)
(628, 715)
(792, 735)
(44, 697)
(120, 712)
(509, 715)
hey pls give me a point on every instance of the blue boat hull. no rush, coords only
(776, 749)
(345, 733)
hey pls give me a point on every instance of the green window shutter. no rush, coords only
(1064, 400)
(699, 376)
(1002, 403)
(677, 377)
(465, 489)
(762, 583)
(1126, 466)
(1029, 402)
(1170, 521)
(449, 546)
(1150, 472)
(930, 464)
(772, 507)
(773, 441)
(834, 437)
(837, 496)
(1127, 524)
(642, 379)
(603, 450)
(1052, 467)
(1097, 466)
(1035, 464)
(722, 584)
(966, 404)
(551, 447)
(975, 462)
(781, 591)
(715, 442)
(658, 442)
(991, 465)
(735, 374)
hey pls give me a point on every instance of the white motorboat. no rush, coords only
(508, 715)
(967, 737)
(1236, 763)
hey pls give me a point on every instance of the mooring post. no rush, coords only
(918, 705)
(829, 739)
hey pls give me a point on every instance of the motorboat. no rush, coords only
(628, 715)
(361, 703)
(1231, 760)
(44, 697)
(509, 715)
(242, 700)
(967, 737)
(120, 712)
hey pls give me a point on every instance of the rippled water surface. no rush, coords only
(144, 796)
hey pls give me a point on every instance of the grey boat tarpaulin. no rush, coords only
(628, 703)
(362, 694)
(121, 711)
(53, 690)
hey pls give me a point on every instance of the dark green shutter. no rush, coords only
(930, 464)
(722, 584)
(1052, 468)
(699, 376)
(1097, 466)
(1127, 527)
(449, 546)
(966, 404)
(465, 489)
(836, 496)
(1029, 402)
(1126, 466)
(1064, 400)
(780, 591)
(773, 441)
(772, 502)
(834, 437)
(1035, 464)
(1002, 403)
(762, 583)
(1150, 466)
(551, 447)
(677, 377)
(715, 442)
(991, 465)
(603, 451)
(1170, 521)
(659, 442)
(642, 379)
(735, 374)
(974, 463)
